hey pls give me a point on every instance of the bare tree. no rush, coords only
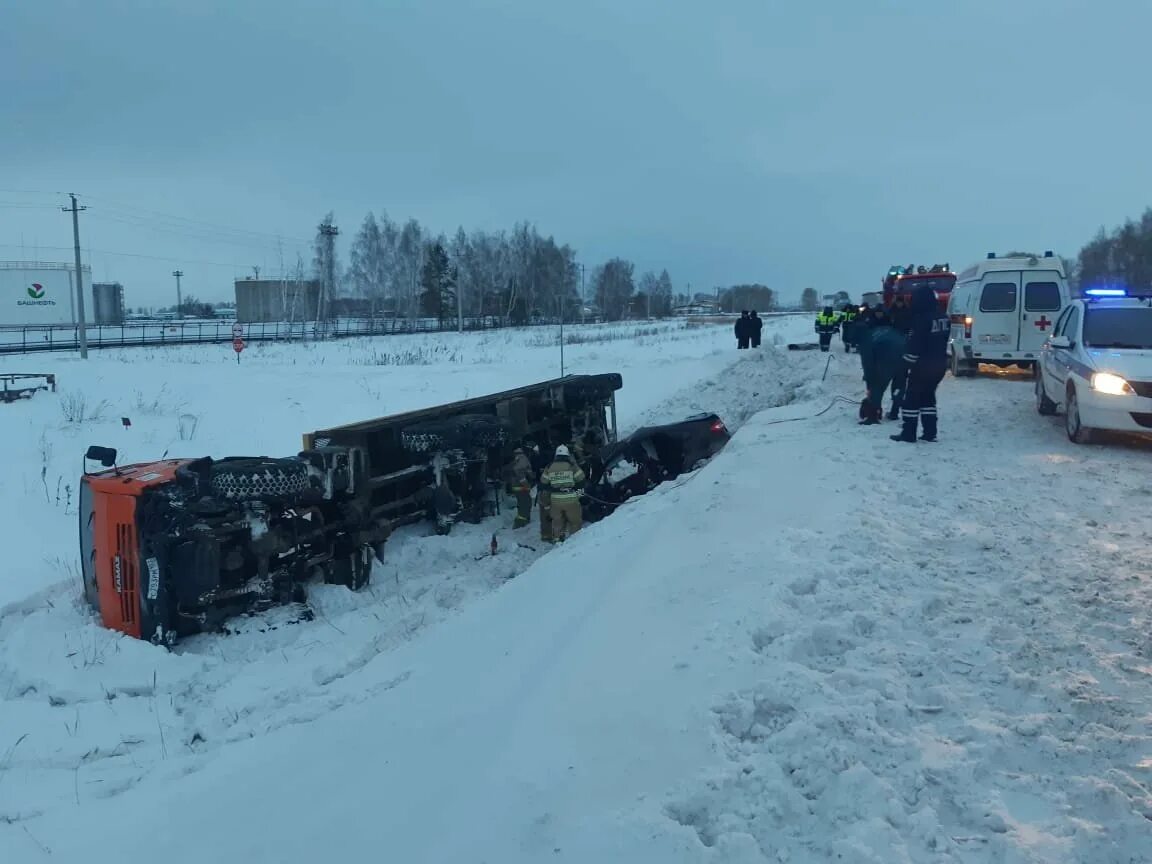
(410, 258)
(614, 287)
(809, 300)
(366, 271)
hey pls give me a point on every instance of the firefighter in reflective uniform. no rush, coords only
(848, 326)
(827, 323)
(560, 486)
(519, 478)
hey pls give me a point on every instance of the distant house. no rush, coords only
(696, 308)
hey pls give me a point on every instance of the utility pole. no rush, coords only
(328, 232)
(179, 298)
(583, 295)
(75, 210)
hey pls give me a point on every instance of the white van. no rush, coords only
(1003, 309)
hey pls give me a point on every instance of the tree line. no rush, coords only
(1120, 257)
(519, 276)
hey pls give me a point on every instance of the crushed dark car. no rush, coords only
(651, 455)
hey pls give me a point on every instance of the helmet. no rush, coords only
(562, 451)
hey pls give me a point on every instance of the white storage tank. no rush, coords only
(39, 293)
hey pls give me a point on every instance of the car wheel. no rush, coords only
(1043, 404)
(1078, 433)
(961, 368)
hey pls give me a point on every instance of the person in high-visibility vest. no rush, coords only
(560, 485)
(827, 323)
(848, 326)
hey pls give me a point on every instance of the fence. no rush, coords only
(34, 339)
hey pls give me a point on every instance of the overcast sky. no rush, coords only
(791, 143)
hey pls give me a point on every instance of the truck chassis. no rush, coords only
(177, 547)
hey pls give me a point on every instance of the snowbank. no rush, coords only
(823, 646)
(93, 713)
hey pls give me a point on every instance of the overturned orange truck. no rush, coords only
(178, 546)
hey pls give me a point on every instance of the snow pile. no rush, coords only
(822, 646)
(88, 714)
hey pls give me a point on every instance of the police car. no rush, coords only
(1097, 364)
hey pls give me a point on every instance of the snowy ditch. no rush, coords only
(90, 713)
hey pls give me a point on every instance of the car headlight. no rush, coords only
(1113, 385)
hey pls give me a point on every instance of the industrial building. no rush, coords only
(276, 300)
(40, 293)
(107, 303)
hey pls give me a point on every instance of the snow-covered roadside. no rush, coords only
(822, 646)
(87, 714)
(195, 400)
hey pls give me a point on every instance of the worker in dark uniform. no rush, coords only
(881, 349)
(827, 324)
(848, 316)
(927, 358)
(755, 328)
(901, 320)
(743, 330)
(899, 315)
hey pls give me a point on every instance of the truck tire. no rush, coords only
(468, 432)
(247, 479)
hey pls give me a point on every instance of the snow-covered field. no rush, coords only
(823, 646)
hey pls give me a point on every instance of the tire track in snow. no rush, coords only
(965, 679)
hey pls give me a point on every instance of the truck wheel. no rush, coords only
(468, 432)
(961, 368)
(245, 479)
(1044, 405)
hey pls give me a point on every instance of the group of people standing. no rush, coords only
(905, 348)
(749, 326)
(559, 487)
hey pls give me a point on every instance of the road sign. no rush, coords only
(237, 331)
(238, 346)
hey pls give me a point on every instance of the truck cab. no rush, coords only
(902, 282)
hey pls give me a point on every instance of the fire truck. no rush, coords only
(902, 281)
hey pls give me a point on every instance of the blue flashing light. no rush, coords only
(1106, 292)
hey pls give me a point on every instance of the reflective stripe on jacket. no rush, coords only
(562, 479)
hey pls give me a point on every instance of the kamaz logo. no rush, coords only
(117, 580)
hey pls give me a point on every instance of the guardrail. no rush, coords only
(36, 339)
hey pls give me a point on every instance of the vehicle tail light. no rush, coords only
(719, 428)
(967, 326)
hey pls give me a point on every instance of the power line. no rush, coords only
(22, 205)
(196, 234)
(129, 255)
(131, 209)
